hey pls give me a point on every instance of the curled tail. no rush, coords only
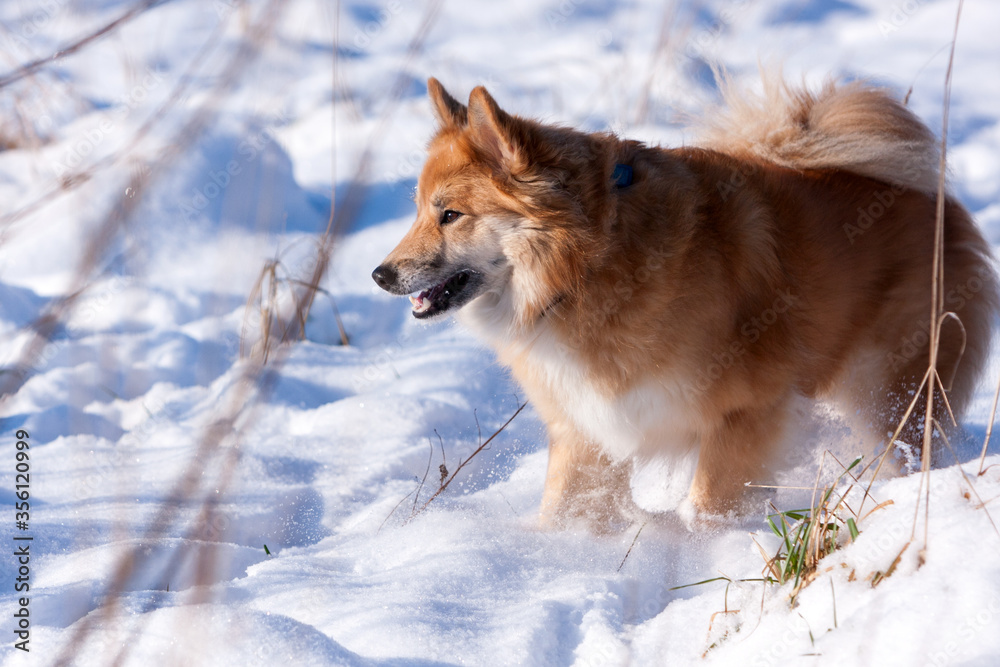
(855, 127)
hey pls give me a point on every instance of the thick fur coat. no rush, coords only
(653, 301)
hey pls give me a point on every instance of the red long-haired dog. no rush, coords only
(652, 301)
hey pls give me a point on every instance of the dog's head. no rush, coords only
(496, 222)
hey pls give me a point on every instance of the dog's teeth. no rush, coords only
(420, 304)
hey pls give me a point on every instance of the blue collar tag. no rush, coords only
(622, 176)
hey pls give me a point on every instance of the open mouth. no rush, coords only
(452, 292)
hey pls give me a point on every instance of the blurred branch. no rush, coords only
(70, 49)
(253, 383)
(74, 180)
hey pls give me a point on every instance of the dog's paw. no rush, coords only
(700, 519)
(603, 516)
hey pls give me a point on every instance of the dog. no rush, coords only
(655, 301)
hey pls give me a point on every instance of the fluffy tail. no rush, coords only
(854, 127)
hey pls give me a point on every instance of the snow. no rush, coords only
(159, 472)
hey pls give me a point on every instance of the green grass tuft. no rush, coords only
(809, 535)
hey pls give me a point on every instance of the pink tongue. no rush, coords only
(422, 300)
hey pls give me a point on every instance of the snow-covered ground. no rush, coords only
(160, 466)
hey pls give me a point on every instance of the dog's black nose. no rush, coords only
(385, 276)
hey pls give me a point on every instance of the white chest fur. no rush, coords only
(650, 418)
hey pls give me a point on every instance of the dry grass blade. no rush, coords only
(881, 505)
(879, 577)
(931, 383)
(770, 562)
(256, 295)
(937, 283)
(989, 427)
(344, 339)
(634, 540)
(423, 480)
(895, 435)
(264, 300)
(268, 306)
(462, 464)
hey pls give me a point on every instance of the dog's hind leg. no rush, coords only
(884, 405)
(583, 483)
(884, 389)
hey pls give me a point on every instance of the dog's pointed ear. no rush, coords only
(448, 111)
(495, 133)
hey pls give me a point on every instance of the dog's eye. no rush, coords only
(450, 216)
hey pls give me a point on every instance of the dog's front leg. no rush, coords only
(583, 483)
(740, 450)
